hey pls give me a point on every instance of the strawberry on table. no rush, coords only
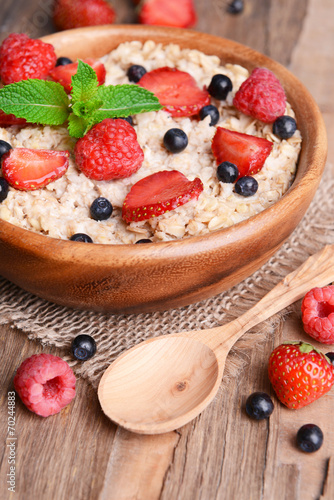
(261, 96)
(176, 90)
(179, 13)
(30, 169)
(110, 150)
(22, 57)
(69, 14)
(299, 374)
(159, 193)
(63, 74)
(247, 152)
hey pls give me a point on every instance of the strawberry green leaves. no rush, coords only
(37, 101)
(46, 102)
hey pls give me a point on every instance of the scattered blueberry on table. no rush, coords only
(83, 347)
(259, 405)
(309, 438)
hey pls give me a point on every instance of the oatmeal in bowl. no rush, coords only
(197, 170)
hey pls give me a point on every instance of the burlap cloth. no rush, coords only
(56, 325)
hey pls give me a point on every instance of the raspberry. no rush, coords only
(261, 96)
(45, 384)
(22, 58)
(318, 314)
(110, 150)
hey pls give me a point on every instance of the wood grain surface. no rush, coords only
(222, 455)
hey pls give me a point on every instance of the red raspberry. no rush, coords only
(261, 96)
(22, 58)
(318, 314)
(45, 384)
(110, 150)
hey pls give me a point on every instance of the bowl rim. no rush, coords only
(313, 151)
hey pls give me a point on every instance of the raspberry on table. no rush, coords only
(318, 314)
(22, 57)
(110, 150)
(45, 384)
(261, 96)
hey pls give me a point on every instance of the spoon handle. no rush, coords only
(316, 271)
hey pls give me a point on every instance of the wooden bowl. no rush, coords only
(159, 276)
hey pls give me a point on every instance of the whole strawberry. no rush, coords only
(22, 58)
(318, 314)
(179, 13)
(110, 150)
(261, 96)
(69, 14)
(299, 374)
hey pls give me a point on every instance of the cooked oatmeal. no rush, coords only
(62, 208)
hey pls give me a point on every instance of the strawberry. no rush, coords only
(261, 96)
(109, 150)
(247, 152)
(8, 120)
(63, 74)
(176, 90)
(179, 13)
(30, 169)
(22, 57)
(299, 374)
(69, 14)
(159, 193)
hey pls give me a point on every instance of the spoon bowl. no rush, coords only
(182, 373)
(164, 382)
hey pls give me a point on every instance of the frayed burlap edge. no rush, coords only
(57, 325)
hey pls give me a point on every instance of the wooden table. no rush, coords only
(222, 455)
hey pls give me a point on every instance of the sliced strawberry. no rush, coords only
(247, 152)
(158, 193)
(30, 169)
(63, 74)
(179, 13)
(9, 120)
(176, 90)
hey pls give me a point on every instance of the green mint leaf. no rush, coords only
(84, 83)
(78, 126)
(38, 101)
(124, 100)
(86, 109)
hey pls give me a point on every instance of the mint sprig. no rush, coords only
(46, 102)
(37, 101)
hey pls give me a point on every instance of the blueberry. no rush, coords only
(259, 405)
(101, 209)
(227, 172)
(235, 7)
(63, 61)
(309, 438)
(135, 72)
(330, 355)
(211, 111)
(220, 86)
(246, 186)
(284, 127)
(83, 347)
(127, 119)
(3, 189)
(84, 238)
(143, 240)
(175, 140)
(4, 147)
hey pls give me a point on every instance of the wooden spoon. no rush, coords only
(164, 382)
